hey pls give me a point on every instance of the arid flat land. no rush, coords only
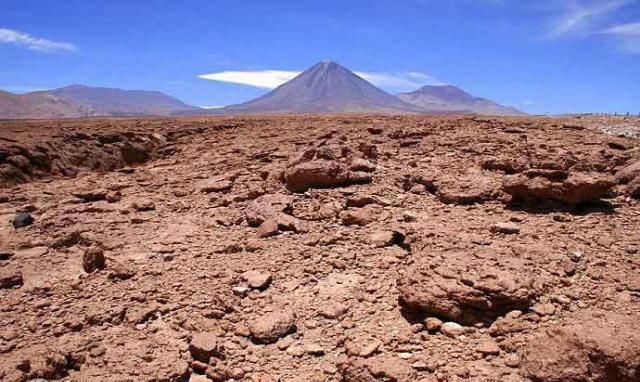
(320, 248)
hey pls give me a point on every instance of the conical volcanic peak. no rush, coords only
(326, 87)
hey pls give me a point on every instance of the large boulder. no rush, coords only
(93, 259)
(596, 346)
(633, 188)
(628, 173)
(469, 288)
(326, 167)
(205, 345)
(22, 219)
(270, 327)
(315, 174)
(384, 367)
(557, 185)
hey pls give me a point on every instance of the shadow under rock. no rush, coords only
(548, 207)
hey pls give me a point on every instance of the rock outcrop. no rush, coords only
(596, 346)
(557, 185)
(469, 287)
(326, 167)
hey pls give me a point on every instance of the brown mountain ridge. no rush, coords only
(77, 101)
(325, 88)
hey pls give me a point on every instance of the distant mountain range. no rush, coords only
(83, 101)
(326, 87)
(449, 98)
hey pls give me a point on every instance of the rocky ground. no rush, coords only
(356, 249)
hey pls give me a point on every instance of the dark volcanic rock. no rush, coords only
(22, 219)
(93, 259)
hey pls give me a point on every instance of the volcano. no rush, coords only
(326, 87)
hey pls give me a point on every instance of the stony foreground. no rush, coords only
(355, 249)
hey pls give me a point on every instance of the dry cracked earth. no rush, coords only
(320, 248)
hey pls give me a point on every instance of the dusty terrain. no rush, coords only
(309, 248)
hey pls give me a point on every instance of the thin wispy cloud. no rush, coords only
(588, 19)
(629, 30)
(20, 89)
(406, 81)
(581, 17)
(264, 79)
(271, 79)
(14, 37)
(627, 34)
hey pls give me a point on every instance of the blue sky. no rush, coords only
(542, 56)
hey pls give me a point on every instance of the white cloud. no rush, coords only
(266, 79)
(10, 36)
(399, 82)
(20, 89)
(271, 79)
(580, 16)
(627, 34)
(593, 18)
(630, 29)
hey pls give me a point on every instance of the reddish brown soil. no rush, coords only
(320, 249)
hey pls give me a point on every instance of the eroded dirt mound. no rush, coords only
(319, 248)
(67, 148)
(327, 167)
(471, 287)
(73, 152)
(558, 185)
(596, 346)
